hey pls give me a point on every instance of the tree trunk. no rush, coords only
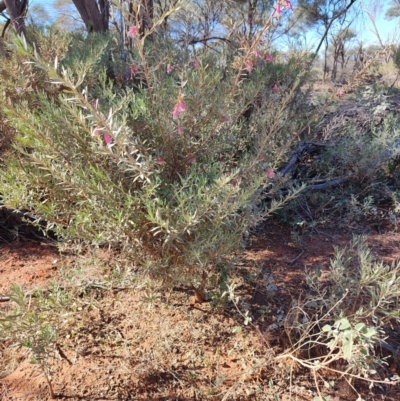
(142, 16)
(16, 10)
(250, 18)
(148, 16)
(325, 59)
(3, 6)
(94, 14)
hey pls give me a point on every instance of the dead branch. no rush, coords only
(300, 150)
(293, 261)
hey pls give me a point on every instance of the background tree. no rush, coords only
(16, 13)
(373, 10)
(94, 13)
(394, 10)
(66, 15)
(339, 44)
(39, 15)
(326, 16)
(206, 22)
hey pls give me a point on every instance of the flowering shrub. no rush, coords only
(161, 159)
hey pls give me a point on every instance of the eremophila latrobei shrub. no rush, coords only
(155, 152)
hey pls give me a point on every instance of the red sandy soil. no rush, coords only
(90, 374)
(29, 264)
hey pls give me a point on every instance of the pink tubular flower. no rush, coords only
(96, 131)
(275, 88)
(249, 66)
(192, 160)
(175, 113)
(288, 5)
(268, 58)
(195, 63)
(340, 93)
(107, 139)
(179, 108)
(181, 105)
(133, 69)
(278, 9)
(169, 69)
(180, 130)
(270, 173)
(133, 31)
(160, 160)
(257, 53)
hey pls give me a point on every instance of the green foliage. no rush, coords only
(396, 57)
(32, 323)
(359, 154)
(354, 309)
(342, 323)
(99, 154)
(394, 10)
(372, 288)
(365, 156)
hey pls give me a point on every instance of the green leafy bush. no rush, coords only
(156, 154)
(360, 156)
(343, 322)
(32, 322)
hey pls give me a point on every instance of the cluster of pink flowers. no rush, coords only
(285, 3)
